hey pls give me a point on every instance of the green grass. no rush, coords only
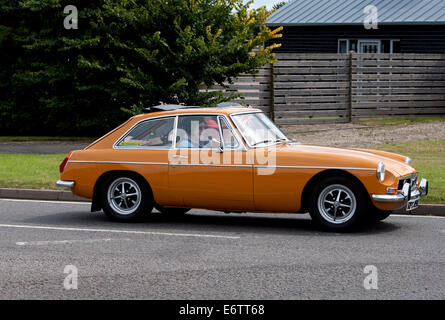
(429, 158)
(43, 138)
(35, 171)
(390, 121)
(42, 171)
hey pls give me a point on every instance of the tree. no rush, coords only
(278, 5)
(125, 55)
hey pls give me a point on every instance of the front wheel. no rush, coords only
(126, 197)
(338, 204)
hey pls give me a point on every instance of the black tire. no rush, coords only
(330, 211)
(126, 206)
(377, 215)
(172, 211)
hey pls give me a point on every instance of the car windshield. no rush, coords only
(258, 130)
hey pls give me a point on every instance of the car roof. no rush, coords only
(192, 110)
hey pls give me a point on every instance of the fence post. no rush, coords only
(272, 92)
(350, 86)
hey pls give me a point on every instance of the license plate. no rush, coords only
(412, 204)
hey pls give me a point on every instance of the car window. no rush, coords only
(200, 131)
(230, 142)
(156, 133)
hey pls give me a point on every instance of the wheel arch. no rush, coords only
(95, 203)
(310, 185)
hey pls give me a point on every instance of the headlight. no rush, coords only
(408, 160)
(381, 171)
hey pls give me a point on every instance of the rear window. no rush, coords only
(156, 134)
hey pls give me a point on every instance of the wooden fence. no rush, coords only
(317, 88)
(397, 84)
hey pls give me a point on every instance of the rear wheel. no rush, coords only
(338, 204)
(126, 197)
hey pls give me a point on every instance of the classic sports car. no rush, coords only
(234, 159)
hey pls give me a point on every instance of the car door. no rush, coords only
(207, 170)
(144, 149)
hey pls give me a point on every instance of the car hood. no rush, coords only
(333, 157)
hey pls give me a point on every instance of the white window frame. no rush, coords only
(391, 46)
(377, 41)
(348, 44)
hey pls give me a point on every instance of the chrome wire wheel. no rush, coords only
(124, 196)
(337, 204)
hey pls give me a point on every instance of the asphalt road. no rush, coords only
(42, 147)
(209, 255)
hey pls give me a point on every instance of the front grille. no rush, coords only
(412, 180)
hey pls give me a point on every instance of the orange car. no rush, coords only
(234, 159)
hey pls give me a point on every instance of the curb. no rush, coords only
(425, 210)
(40, 194)
(61, 195)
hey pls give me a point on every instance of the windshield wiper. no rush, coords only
(266, 141)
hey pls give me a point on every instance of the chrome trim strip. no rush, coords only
(65, 184)
(304, 167)
(247, 111)
(115, 145)
(118, 162)
(175, 124)
(388, 197)
(212, 165)
(241, 147)
(220, 165)
(416, 194)
(229, 124)
(175, 132)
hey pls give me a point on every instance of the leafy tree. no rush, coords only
(125, 55)
(278, 5)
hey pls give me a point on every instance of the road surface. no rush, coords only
(210, 255)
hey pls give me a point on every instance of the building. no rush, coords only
(337, 26)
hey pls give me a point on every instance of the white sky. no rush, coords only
(267, 3)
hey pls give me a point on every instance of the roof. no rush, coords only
(344, 12)
(193, 110)
(169, 107)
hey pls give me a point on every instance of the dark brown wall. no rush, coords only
(323, 39)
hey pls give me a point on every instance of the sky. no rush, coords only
(267, 3)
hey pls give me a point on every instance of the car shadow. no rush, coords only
(208, 221)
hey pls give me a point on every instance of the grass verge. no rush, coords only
(35, 171)
(429, 158)
(392, 121)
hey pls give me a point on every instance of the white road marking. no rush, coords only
(47, 201)
(120, 231)
(43, 243)
(414, 216)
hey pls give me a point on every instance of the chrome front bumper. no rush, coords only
(65, 184)
(405, 195)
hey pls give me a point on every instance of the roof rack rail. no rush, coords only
(228, 104)
(165, 107)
